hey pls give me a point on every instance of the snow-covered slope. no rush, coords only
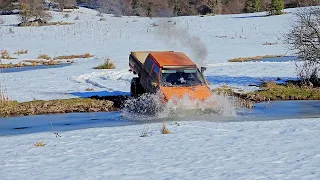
(208, 40)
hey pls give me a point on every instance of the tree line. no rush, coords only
(194, 7)
(155, 8)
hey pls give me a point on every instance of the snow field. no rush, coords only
(285, 149)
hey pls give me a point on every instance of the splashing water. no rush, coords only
(150, 107)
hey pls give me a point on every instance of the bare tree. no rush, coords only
(63, 4)
(32, 10)
(7, 5)
(116, 7)
(304, 38)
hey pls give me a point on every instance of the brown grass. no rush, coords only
(253, 58)
(6, 65)
(89, 89)
(14, 108)
(21, 52)
(272, 91)
(31, 63)
(164, 129)
(39, 144)
(34, 61)
(51, 63)
(5, 55)
(106, 65)
(44, 56)
(86, 55)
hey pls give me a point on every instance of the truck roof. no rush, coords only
(167, 58)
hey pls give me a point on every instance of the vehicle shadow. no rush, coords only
(117, 97)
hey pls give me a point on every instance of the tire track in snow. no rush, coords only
(110, 80)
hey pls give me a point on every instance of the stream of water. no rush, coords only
(275, 110)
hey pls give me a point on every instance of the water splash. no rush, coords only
(150, 107)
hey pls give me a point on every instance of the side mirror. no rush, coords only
(203, 69)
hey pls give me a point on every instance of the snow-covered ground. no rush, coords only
(210, 41)
(199, 149)
(284, 149)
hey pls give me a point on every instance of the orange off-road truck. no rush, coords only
(173, 74)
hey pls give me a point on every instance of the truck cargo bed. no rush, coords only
(136, 61)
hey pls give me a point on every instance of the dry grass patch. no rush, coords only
(14, 108)
(223, 90)
(34, 61)
(6, 65)
(106, 65)
(253, 58)
(5, 55)
(44, 56)
(51, 63)
(39, 144)
(272, 91)
(86, 55)
(21, 52)
(25, 63)
(164, 129)
(10, 65)
(89, 89)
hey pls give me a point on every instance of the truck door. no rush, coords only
(154, 79)
(150, 77)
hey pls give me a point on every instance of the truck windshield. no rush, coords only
(184, 77)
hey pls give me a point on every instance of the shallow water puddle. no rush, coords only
(30, 68)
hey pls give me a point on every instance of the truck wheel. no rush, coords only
(136, 89)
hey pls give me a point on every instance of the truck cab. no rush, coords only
(173, 74)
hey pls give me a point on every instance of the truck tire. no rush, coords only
(136, 89)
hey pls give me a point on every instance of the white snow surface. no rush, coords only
(219, 37)
(283, 149)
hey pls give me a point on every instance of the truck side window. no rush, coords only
(148, 65)
(155, 73)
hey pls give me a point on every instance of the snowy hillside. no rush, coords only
(210, 41)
